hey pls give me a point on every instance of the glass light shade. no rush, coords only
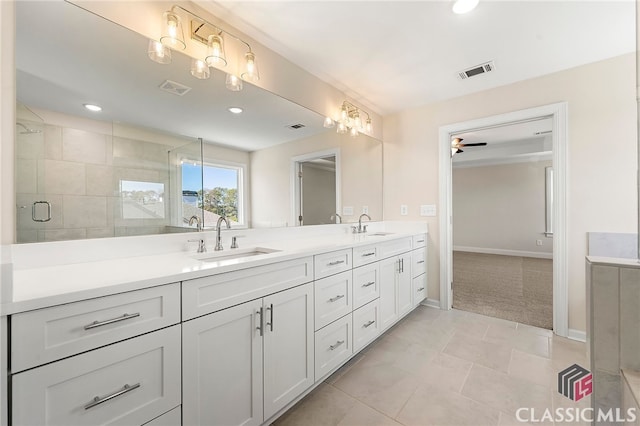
(342, 128)
(158, 52)
(251, 68)
(357, 121)
(199, 69)
(233, 83)
(215, 51)
(328, 123)
(172, 34)
(344, 114)
(369, 127)
(353, 132)
(464, 6)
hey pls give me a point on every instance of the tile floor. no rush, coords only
(444, 368)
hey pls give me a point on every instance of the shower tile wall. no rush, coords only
(79, 173)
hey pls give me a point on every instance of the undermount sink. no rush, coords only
(379, 234)
(233, 254)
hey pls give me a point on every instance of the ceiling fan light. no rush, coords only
(158, 52)
(215, 51)
(172, 34)
(464, 6)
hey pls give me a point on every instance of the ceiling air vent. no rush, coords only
(477, 70)
(296, 126)
(174, 88)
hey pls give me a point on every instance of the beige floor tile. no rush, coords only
(431, 405)
(535, 330)
(495, 356)
(423, 313)
(342, 370)
(325, 406)
(561, 401)
(510, 420)
(363, 415)
(566, 351)
(383, 387)
(463, 346)
(503, 392)
(426, 334)
(533, 368)
(446, 371)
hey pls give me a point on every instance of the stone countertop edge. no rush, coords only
(614, 261)
(44, 287)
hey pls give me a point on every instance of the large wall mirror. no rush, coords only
(165, 146)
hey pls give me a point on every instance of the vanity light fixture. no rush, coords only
(328, 123)
(92, 107)
(464, 6)
(209, 34)
(351, 120)
(235, 110)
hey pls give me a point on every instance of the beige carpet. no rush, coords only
(509, 287)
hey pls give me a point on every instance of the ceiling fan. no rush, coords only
(456, 144)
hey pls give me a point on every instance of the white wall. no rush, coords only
(602, 157)
(501, 208)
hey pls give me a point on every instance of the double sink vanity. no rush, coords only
(218, 338)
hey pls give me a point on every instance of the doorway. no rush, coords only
(316, 183)
(557, 113)
(502, 248)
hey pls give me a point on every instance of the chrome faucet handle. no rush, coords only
(201, 247)
(354, 229)
(234, 241)
(364, 228)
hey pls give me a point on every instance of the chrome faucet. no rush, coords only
(336, 217)
(360, 228)
(198, 222)
(218, 229)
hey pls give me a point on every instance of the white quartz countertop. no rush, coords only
(614, 261)
(36, 288)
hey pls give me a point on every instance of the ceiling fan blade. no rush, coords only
(474, 144)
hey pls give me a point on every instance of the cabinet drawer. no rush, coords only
(172, 418)
(366, 325)
(130, 382)
(332, 298)
(419, 286)
(209, 294)
(54, 333)
(366, 284)
(393, 247)
(419, 240)
(331, 263)
(364, 254)
(333, 346)
(418, 262)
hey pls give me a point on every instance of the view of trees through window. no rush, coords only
(214, 188)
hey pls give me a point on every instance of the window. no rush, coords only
(213, 190)
(142, 200)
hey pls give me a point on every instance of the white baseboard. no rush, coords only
(504, 252)
(431, 303)
(579, 335)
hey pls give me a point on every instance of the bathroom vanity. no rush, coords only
(217, 338)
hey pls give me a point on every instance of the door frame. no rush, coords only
(558, 112)
(296, 195)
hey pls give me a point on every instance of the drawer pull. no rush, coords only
(421, 288)
(420, 261)
(338, 297)
(420, 241)
(338, 343)
(261, 326)
(370, 323)
(111, 321)
(270, 323)
(337, 262)
(369, 284)
(373, 253)
(98, 400)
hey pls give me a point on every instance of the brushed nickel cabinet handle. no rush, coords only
(270, 323)
(369, 284)
(338, 343)
(369, 254)
(338, 297)
(337, 262)
(370, 323)
(421, 288)
(420, 261)
(261, 326)
(99, 400)
(111, 321)
(420, 241)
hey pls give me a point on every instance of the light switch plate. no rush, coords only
(365, 209)
(347, 211)
(427, 210)
(404, 210)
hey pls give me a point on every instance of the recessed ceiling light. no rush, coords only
(464, 6)
(94, 108)
(235, 110)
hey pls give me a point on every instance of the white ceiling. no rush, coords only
(392, 55)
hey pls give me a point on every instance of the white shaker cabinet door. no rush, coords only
(388, 294)
(404, 282)
(222, 367)
(288, 347)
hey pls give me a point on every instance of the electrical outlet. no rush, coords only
(365, 209)
(404, 210)
(538, 242)
(427, 210)
(347, 211)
